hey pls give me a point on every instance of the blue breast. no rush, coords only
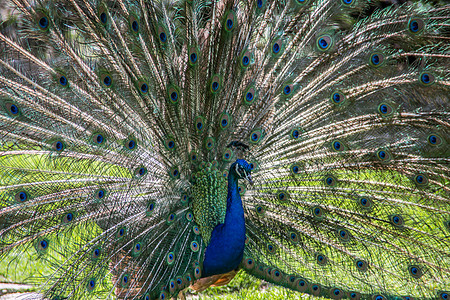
(226, 247)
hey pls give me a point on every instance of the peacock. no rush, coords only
(148, 146)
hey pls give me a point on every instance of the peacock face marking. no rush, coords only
(243, 170)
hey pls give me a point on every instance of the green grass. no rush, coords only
(22, 268)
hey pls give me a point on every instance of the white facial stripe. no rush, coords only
(245, 173)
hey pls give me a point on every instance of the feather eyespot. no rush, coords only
(295, 169)
(337, 98)
(315, 289)
(249, 96)
(271, 248)
(230, 21)
(100, 194)
(396, 220)
(283, 196)
(277, 46)
(171, 218)
(301, 2)
(295, 133)
(41, 245)
(347, 2)
(365, 202)
(287, 89)
(256, 136)
(421, 180)
(444, 296)
(361, 265)
(98, 139)
(434, 140)
(174, 173)
(58, 146)
(95, 254)
(134, 24)
(63, 81)
(318, 213)
(416, 25)
(385, 109)
(196, 230)
(179, 282)
(125, 280)
(169, 143)
(260, 210)
(225, 120)
(354, 295)
(245, 60)
(229, 24)
(427, 78)
(343, 235)
(103, 17)
(338, 146)
(21, 197)
(376, 59)
(215, 84)
(68, 218)
(150, 208)
(197, 273)
(249, 263)
(209, 143)
(130, 144)
(106, 80)
(293, 237)
(170, 258)
(330, 181)
(415, 271)
(91, 284)
(144, 88)
(43, 21)
(163, 37)
(121, 232)
(193, 55)
(227, 156)
(174, 94)
(140, 172)
(184, 198)
(324, 42)
(336, 293)
(13, 109)
(384, 155)
(199, 123)
(301, 285)
(194, 246)
(321, 259)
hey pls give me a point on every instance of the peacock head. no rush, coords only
(242, 170)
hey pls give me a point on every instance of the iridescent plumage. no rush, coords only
(126, 127)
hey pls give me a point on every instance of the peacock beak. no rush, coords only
(249, 178)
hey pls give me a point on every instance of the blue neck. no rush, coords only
(226, 247)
